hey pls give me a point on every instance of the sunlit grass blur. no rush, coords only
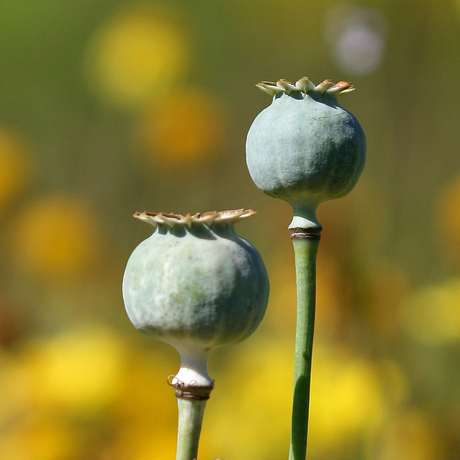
(107, 108)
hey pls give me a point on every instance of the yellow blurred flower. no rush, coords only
(15, 390)
(146, 409)
(56, 392)
(146, 395)
(137, 55)
(78, 372)
(347, 400)
(30, 431)
(55, 237)
(432, 315)
(187, 128)
(15, 169)
(249, 413)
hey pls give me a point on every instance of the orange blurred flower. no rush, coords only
(39, 438)
(387, 289)
(56, 236)
(409, 436)
(188, 127)
(332, 291)
(447, 218)
(15, 169)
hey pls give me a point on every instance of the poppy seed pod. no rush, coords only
(305, 148)
(196, 285)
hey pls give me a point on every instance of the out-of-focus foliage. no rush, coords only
(110, 107)
(15, 168)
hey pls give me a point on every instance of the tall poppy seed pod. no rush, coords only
(196, 285)
(305, 148)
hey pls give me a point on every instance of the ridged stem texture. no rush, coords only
(188, 433)
(305, 250)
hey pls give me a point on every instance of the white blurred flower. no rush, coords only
(357, 37)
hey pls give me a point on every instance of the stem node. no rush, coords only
(313, 233)
(190, 391)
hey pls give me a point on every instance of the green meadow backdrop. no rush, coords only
(108, 107)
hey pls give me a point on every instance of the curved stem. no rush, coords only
(188, 433)
(306, 243)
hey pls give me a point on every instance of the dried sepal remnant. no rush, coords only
(208, 218)
(324, 86)
(305, 85)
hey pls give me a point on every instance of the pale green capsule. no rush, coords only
(196, 285)
(305, 148)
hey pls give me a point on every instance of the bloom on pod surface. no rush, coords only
(196, 285)
(305, 148)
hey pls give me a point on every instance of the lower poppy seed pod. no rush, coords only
(196, 285)
(305, 148)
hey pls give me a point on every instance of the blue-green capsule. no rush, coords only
(305, 148)
(196, 285)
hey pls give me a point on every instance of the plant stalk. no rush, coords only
(306, 242)
(188, 433)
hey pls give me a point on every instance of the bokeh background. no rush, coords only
(113, 106)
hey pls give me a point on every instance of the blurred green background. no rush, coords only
(111, 106)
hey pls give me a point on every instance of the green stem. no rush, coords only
(305, 248)
(188, 433)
